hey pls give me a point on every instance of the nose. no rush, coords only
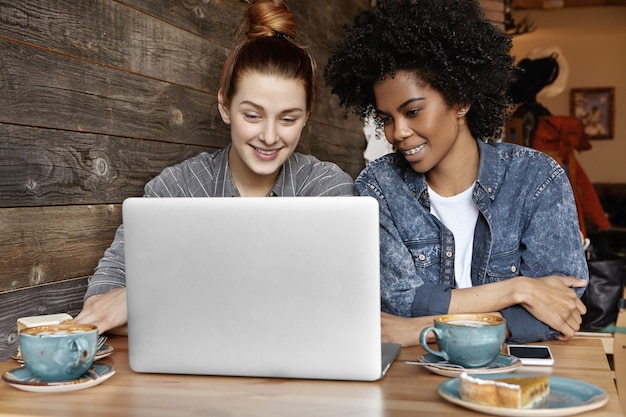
(269, 135)
(400, 132)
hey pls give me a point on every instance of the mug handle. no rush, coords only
(80, 348)
(424, 342)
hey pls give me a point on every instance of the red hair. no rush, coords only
(270, 48)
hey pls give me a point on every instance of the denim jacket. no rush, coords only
(527, 225)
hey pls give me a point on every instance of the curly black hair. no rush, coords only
(448, 44)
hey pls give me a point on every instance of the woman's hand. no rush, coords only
(106, 311)
(404, 330)
(551, 300)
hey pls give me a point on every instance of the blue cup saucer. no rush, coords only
(21, 378)
(502, 364)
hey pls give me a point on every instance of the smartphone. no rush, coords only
(535, 355)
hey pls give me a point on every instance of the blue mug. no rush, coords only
(59, 352)
(469, 340)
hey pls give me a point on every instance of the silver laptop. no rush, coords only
(263, 287)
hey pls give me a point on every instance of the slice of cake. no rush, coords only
(44, 320)
(515, 392)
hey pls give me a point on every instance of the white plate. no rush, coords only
(103, 352)
(22, 378)
(502, 364)
(567, 397)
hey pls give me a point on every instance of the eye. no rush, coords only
(253, 117)
(288, 120)
(413, 112)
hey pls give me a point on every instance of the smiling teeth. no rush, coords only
(414, 150)
(266, 152)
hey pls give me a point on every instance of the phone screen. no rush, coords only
(530, 352)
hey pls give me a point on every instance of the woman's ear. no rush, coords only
(223, 107)
(462, 110)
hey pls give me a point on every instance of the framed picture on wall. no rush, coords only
(595, 107)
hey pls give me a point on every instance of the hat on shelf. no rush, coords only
(542, 74)
(557, 86)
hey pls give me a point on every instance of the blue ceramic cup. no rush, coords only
(59, 352)
(469, 340)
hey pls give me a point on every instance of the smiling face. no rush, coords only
(418, 122)
(267, 115)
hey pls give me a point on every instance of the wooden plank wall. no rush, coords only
(96, 98)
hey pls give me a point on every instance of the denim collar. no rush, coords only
(490, 168)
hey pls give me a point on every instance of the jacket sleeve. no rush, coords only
(552, 246)
(524, 328)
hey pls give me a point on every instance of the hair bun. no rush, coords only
(268, 18)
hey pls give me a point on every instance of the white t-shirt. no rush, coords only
(459, 214)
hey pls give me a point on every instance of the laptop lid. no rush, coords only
(268, 287)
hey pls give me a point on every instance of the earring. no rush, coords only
(461, 112)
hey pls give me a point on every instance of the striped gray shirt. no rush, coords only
(208, 175)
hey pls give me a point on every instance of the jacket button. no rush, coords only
(422, 257)
(449, 254)
(513, 268)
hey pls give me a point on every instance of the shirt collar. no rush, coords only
(489, 168)
(283, 187)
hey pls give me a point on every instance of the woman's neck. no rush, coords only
(247, 182)
(457, 172)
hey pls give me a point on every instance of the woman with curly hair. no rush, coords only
(467, 224)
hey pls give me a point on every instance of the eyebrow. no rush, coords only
(404, 104)
(256, 106)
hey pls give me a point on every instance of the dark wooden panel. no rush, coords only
(115, 35)
(45, 89)
(61, 297)
(329, 143)
(123, 37)
(41, 245)
(214, 20)
(40, 167)
(319, 23)
(96, 98)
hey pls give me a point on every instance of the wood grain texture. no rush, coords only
(214, 20)
(41, 88)
(41, 245)
(96, 98)
(122, 37)
(141, 38)
(40, 167)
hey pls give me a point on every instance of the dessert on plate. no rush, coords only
(514, 392)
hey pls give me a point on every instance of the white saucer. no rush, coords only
(502, 364)
(103, 352)
(22, 378)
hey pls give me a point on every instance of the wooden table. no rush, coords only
(406, 390)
